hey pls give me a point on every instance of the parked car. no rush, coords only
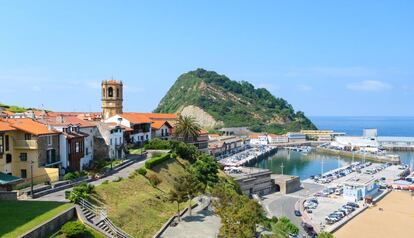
(297, 213)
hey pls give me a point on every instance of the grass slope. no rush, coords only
(136, 206)
(17, 217)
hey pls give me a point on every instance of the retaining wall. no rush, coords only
(53, 225)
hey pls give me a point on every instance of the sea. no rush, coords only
(305, 165)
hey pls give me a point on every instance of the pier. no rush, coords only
(394, 159)
(248, 157)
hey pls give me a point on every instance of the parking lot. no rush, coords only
(330, 208)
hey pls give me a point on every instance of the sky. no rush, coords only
(326, 58)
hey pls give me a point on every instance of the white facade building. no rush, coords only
(258, 139)
(276, 139)
(140, 125)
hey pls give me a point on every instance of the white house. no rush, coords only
(139, 123)
(258, 139)
(161, 129)
(276, 139)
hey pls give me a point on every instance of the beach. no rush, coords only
(396, 219)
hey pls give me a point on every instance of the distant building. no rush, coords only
(321, 135)
(227, 145)
(296, 137)
(359, 189)
(235, 131)
(139, 123)
(254, 181)
(277, 139)
(258, 139)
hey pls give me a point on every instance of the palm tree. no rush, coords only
(187, 128)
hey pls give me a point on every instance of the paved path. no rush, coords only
(123, 173)
(202, 224)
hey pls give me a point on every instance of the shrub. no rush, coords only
(73, 229)
(105, 182)
(157, 144)
(149, 164)
(69, 176)
(82, 190)
(142, 171)
(154, 180)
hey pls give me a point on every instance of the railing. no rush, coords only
(25, 144)
(102, 214)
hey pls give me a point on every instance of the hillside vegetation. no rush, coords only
(137, 206)
(232, 104)
(11, 108)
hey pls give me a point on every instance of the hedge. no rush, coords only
(149, 164)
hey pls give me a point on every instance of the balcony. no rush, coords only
(25, 144)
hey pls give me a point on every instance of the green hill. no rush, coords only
(217, 101)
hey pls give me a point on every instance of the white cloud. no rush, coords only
(369, 86)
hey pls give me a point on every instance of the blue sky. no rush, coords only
(325, 57)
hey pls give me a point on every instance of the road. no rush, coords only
(284, 204)
(59, 196)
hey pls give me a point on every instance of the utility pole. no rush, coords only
(31, 178)
(282, 166)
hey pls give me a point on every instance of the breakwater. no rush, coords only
(395, 159)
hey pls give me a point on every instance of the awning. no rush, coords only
(9, 179)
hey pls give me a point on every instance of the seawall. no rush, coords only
(382, 159)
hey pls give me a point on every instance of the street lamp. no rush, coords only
(31, 178)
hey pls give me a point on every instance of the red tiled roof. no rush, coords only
(30, 126)
(158, 124)
(135, 118)
(4, 126)
(157, 116)
(255, 136)
(66, 120)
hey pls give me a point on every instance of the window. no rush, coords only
(120, 140)
(146, 137)
(116, 141)
(49, 140)
(7, 143)
(142, 138)
(51, 156)
(23, 173)
(8, 158)
(87, 151)
(110, 141)
(77, 148)
(23, 156)
(27, 136)
(117, 92)
(1, 144)
(110, 92)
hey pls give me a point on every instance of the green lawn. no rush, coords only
(136, 151)
(17, 217)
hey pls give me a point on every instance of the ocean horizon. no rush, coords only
(353, 125)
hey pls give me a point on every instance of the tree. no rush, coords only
(188, 186)
(174, 196)
(325, 234)
(286, 226)
(239, 215)
(205, 169)
(187, 128)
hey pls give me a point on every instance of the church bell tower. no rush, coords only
(112, 97)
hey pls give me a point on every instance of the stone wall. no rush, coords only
(48, 228)
(8, 196)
